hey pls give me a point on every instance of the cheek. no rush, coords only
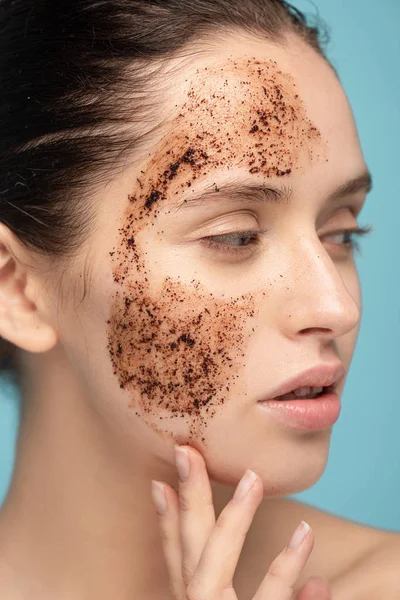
(347, 343)
(353, 284)
(178, 354)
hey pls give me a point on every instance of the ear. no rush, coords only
(22, 320)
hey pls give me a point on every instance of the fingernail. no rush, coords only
(244, 485)
(182, 463)
(159, 497)
(299, 535)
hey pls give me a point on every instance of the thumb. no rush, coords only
(316, 588)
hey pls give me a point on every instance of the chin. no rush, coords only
(283, 466)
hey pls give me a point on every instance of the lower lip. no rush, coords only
(308, 414)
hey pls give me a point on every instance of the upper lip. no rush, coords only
(322, 375)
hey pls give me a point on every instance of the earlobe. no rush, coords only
(21, 322)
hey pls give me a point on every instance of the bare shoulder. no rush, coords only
(339, 542)
(345, 554)
(349, 554)
(375, 575)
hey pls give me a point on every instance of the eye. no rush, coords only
(240, 243)
(349, 235)
(235, 242)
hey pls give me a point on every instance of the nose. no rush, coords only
(322, 295)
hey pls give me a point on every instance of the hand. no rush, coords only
(201, 554)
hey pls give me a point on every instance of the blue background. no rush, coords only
(361, 481)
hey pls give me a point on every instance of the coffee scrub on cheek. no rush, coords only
(178, 353)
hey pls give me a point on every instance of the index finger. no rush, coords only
(197, 514)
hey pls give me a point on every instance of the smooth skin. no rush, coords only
(202, 554)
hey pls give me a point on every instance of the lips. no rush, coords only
(307, 392)
(322, 375)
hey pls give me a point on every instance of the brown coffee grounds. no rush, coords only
(181, 352)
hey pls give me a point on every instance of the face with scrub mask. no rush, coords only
(221, 263)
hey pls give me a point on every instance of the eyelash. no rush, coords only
(256, 237)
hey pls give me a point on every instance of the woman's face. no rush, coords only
(206, 290)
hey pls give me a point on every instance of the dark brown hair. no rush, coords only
(75, 95)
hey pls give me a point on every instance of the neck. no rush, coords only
(78, 520)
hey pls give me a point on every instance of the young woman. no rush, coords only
(180, 190)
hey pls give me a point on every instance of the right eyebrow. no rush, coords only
(238, 192)
(260, 193)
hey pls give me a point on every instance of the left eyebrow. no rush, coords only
(240, 192)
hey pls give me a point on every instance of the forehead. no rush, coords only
(232, 80)
(268, 110)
